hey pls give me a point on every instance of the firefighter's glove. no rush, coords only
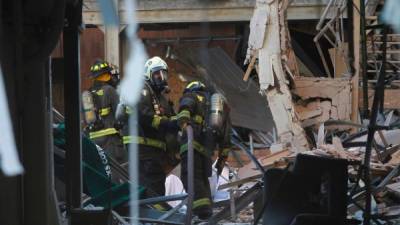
(220, 165)
(222, 157)
(183, 118)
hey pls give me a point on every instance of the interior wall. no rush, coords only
(91, 48)
(159, 37)
(156, 38)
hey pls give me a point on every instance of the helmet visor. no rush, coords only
(160, 76)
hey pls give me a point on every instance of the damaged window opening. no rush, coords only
(273, 112)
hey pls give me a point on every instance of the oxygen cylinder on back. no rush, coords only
(216, 117)
(88, 107)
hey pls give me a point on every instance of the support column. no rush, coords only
(36, 145)
(73, 106)
(111, 41)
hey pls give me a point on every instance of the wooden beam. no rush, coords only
(249, 68)
(178, 11)
(111, 42)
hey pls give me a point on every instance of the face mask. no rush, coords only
(159, 80)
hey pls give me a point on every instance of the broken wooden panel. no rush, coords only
(258, 25)
(338, 57)
(312, 109)
(391, 99)
(322, 99)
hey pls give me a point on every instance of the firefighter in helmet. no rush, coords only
(156, 122)
(209, 133)
(105, 99)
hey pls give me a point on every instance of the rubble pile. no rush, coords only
(384, 170)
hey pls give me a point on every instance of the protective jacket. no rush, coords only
(194, 109)
(156, 121)
(103, 131)
(105, 100)
(156, 118)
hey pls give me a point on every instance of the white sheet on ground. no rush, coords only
(173, 186)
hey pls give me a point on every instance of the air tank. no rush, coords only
(216, 111)
(88, 107)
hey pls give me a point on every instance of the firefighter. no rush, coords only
(105, 100)
(156, 121)
(194, 107)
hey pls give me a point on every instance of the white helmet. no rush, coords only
(153, 65)
(156, 72)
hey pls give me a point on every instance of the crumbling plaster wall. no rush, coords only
(269, 42)
(317, 99)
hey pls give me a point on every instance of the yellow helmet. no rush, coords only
(100, 67)
(195, 86)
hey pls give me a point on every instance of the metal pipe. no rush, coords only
(232, 204)
(251, 144)
(172, 211)
(190, 162)
(324, 14)
(318, 36)
(251, 156)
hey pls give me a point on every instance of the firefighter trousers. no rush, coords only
(152, 176)
(202, 204)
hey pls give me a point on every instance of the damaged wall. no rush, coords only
(296, 102)
(322, 99)
(269, 42)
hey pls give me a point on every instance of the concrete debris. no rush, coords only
(385, 172)
(244, 217)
